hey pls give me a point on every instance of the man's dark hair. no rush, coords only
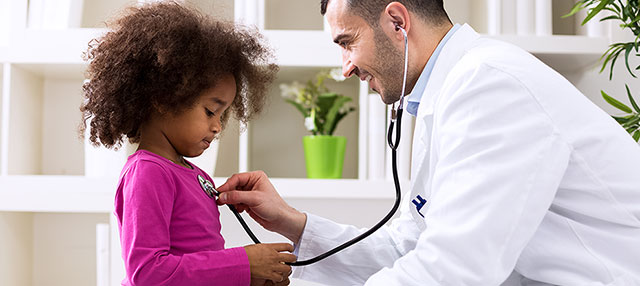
(432, 11)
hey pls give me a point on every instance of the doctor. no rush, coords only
(513, 169)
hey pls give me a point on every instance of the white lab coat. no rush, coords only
(520, 172)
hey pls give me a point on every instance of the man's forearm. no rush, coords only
(294, 226)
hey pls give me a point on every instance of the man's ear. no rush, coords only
(395, 15)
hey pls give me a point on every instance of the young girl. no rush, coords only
(168, 78)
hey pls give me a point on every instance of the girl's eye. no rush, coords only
(208, 112)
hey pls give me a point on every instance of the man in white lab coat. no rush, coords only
(513, 169)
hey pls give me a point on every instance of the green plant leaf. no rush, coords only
(616, 7)
(633, 102)
(620, 120)
(636, 135)
(612, 17)
(613, 62)
(324, 102)
(615, 103)
(332, 121)
(318, 104)
(610, 54)
(626, 58)
(576, 8)
(338, 119)
(299, 107)
(632, 121)
(592, 13)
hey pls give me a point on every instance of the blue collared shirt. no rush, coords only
(413, 99)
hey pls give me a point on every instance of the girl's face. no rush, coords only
(191, 131)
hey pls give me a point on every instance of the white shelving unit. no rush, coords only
(46, 192)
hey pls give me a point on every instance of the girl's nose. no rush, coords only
(216, 125)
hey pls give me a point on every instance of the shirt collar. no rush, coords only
(413, 99)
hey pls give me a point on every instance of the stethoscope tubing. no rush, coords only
(358, 238)
(395, 120)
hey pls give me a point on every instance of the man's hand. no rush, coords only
(254, 193)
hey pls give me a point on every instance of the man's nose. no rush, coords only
(347, 66)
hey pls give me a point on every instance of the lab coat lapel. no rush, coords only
(424, 150)
(449, 56)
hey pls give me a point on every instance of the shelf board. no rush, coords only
(79, 194)
(292, 48)
(57, 194)
(55, 71)
(561, 52)
(299, 48)
(52, 46)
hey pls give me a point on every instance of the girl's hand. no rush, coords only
(263, 282)
(266, 261)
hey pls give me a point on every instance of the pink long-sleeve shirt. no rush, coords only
(170, 228)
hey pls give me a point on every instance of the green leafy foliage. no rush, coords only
(321, 109)
(628, 14)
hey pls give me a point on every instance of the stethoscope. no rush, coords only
(396, 118)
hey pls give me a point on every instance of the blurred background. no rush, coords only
(56, 190)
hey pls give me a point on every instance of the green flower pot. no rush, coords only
(324, 156)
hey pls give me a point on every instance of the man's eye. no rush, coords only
(209, 113)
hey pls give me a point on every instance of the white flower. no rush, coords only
(309, 123)
(292, 90)
(336, 74)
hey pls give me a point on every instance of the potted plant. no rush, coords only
(629, 16)
(322, 110)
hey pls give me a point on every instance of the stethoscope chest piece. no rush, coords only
(207, 187)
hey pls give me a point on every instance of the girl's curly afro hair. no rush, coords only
(161, 56)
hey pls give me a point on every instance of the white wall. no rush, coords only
(62, 245)
(227, 161)
(96, 12)
(220, 9)
(16, 242)
(1, 118)
(591, 81)
(63, 153)
(279, 15)
(25, 137)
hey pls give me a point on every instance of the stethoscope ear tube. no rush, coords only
(382, 222)
(396, 204)
(244, 224)
(396, 119)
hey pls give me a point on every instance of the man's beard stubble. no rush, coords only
(390, 66)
